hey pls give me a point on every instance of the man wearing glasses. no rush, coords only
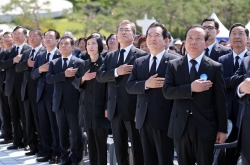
(214, 49)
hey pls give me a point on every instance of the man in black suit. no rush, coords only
(199, 116)
(241, 82)
(238, 36)
(6, 124)
(13, 86)
(214, 50)
(47, 119)
(28, 89)
(66, 100)
(115, 70)
(153, 110)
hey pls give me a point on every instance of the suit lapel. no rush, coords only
(56, 54)
(214, 50)
(114, 59)
(204, 66)
(231, 62)
(72, 62)
(184, 68)
(131, 55)
(145, 66)
(163, 64)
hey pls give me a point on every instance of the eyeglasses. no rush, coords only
(112, 39)
(124, 30)
(209, 27)
(49, 37)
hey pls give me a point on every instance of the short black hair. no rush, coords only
(98, 40)
(216, 24)
(72, 42)
(57, 35)
(222, 41)
(39, 32)
(109, 38)
(165, 32)
(241, 25)
(197, 26)
(8, 33)
(20, 27)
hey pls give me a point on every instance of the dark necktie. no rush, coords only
(17, 50)
(236, 64)
(193, 71)
(153, 67)
(47, 57)
(121, 58)
(65, 66)
(207, 52)
(32, 54)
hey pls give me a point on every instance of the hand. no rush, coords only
(44, 68)
(201, 85)
(124, 69)
(106, 113)
(221, 137)
(17, 58)
(155, 82)
(245, 86)
(70, 72)
(88, 76)
(30, 62)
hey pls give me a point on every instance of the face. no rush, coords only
(92, 47)
(125, 34)
(211, 30)
(144, 46)
(19, 36)
(238, 37)
(113, 43)
(34, 39)
(82, 45)
(1, 41)
(195, 42)
(7, 40)
(155, 41)
(65, 47)
(50, 40)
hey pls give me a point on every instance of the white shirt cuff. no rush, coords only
(238, 92)
(115, 73)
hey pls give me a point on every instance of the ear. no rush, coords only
(166, 41)
(217, 32)
(206, 43)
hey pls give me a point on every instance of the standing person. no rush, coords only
(112, 42)
(13, 87)
(115, 70)
(238, 36)
(28, 89)
(96, 123)
(241, 82)
(6, 124)
(47, 118)
(214, 50)
(153, 110)
(66, 101)
(199, 114)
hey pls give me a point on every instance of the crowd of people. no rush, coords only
(155, 92)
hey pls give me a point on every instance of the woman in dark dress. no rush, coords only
(94, 107)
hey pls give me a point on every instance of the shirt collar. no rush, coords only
(241, 55)
(37, 49)
(127, 48)
(159, 55)
(198, 59)
(69, 57)
(20, 47)
(210, 47)
(53, 51)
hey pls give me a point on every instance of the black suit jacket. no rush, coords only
(151, 103)
(218, 50)
(42, 84)
(93, 98)
(2, 74)
(209, 108)
(118, 97)
(65, 95)
(228, 65)
(12, 77)
(239, 76)
(28, 89)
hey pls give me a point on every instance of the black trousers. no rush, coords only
(6, 124)
(97, 145)
(48, 127)
(69, 122)
(192, 148)
(18, 117)
(32, 124)
(122, 130)
(158, 148)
